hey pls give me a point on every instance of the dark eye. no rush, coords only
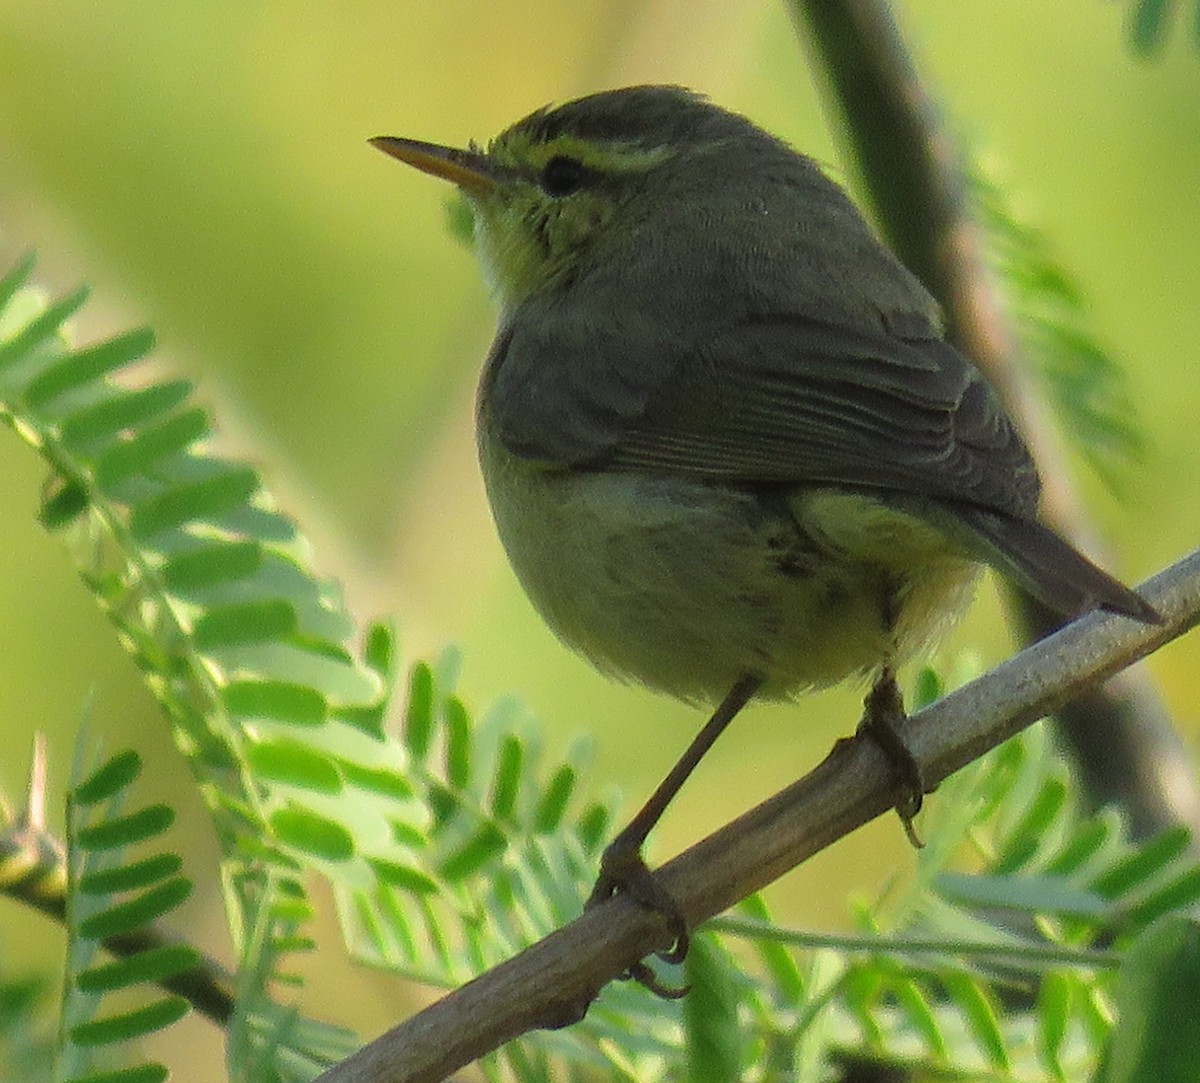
(562, 176)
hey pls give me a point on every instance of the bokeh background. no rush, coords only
(205, 167)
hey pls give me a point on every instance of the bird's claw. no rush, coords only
(883, 717)
(644, 976)
(624, 871)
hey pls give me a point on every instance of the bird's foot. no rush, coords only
(623, 871)
(882, 721)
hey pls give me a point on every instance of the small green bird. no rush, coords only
(728, 451)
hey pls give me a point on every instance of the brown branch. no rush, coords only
(552, 983)
(1120, 733)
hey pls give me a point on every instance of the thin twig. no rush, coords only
(1028, 956)
(1120, 733)
(552, 983)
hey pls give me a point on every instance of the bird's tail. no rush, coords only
(1051, 569)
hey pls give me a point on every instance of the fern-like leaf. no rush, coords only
(1007, 969)
(109, 895)
(247, 650)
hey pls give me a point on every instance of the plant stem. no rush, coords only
(1035, 957)
(1120, 733)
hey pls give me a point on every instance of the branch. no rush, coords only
(552, 983)
(1121, 735)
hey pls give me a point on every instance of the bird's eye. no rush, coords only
(562, 176)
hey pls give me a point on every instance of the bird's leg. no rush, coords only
(622, 868)
(883, 717)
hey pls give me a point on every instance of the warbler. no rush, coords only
(727, 448)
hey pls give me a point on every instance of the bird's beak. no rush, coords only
(469, 169)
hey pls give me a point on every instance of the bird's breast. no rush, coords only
(686, 586)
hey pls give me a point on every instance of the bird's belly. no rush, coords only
(686, 587)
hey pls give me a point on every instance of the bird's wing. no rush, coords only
(784, 399)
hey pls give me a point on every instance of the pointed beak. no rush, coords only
(469, 169)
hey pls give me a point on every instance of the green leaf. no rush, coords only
(140, 1073)
(140, 453)
(83, 366)
(1143, 863)
(1025, 839)
(125, 1026)
(404, 877)
(1087, 388)
(1148, 25)
(152, 965)
(130, 877)
(1031, 894)
(282, 701)
(458, 743)
(1158, 1037)
(215, 562)
(477, 851)
(418, 715)
(553, 805)
(915, 1005)
(777, 959)
(593, 827)
(40, 329)
(239, 625)
(1086, 841)
(120, 410)
(381, 781)
(193, 501)
(978, 1010)
(928, 689)
(1053, 1016)
(16, 278)
(714, 1039)
(127, 830)
(109, 778)
(63, 503)
(506, 781)
(208, 586)
(1180, 893)
(138, 911)
(316, 835)
(294, 764)
(380, 648)
(460, 220)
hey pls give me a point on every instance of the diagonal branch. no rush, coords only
(552, 983)
(1120, 733)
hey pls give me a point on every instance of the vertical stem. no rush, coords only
(1119, 732)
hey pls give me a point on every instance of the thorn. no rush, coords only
(33, 818)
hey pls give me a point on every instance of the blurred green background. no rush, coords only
(205, 167)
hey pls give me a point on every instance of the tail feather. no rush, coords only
(1051, 569)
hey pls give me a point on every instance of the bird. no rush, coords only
(728, 449)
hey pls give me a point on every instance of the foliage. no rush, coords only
(1158, 1038)
(1150, 21)
(453, 845)
(280, 722)
(110, 894)
(246, 650)
(998, 960)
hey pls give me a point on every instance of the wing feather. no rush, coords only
(799, 402)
